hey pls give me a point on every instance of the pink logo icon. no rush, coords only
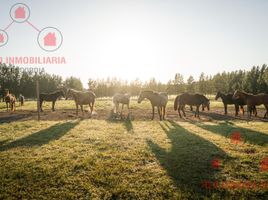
(20, 13)
(1, 38)
(264, 164)
(50, 39)
(236, 137)
(215, 163)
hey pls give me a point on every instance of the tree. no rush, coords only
(190, 84)
(74, 83)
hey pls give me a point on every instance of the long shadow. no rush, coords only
(227, 128)
(126, 122)
(41, 137)
(188, 162)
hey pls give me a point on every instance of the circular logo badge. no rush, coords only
(3, 38)
(50, 39)
(20, 12)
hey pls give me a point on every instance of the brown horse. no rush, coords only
(192, 100)
(158, 100)
(82, 98)
(227, 99)
(10, 100)
(52, 97)
(252, 101)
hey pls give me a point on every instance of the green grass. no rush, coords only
(123, 159)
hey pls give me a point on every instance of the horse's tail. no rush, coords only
(176, 101)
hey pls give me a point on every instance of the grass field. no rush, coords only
(69, 157)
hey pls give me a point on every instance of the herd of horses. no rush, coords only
(157, 99)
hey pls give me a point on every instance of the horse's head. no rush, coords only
(206, 104)
(218, 95)
(236, 94)
(141, 97)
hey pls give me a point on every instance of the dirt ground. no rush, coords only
(135, 114)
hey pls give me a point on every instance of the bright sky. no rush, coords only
(144, 38)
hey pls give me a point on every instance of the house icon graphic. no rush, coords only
(50, 39)
(20, 13)
(1, 38)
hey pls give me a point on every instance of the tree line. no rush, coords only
(23, 82)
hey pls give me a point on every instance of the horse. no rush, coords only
(227, 99)
(192, 100)
(21, 100)
(124, 99)
(252, 100)
(50, 97)
(82, 98)
(158, 100)
(10, 100)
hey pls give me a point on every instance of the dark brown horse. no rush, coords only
(51, 97)
(82, 98)
(192, 100)
(158, 100)
(252, 101)
(227, 99)
(10, 100)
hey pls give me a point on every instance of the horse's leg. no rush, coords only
(7, 106)
(53, 105)
(81, 106)
(179, 111)
(242, 108)
(76, 109)
(122, 110)
(159, 112)
(266, 114)
(41, 103)
(191, 108)
(197, 111)
(153, 112)
(255, 111)
(225, 109)
(14, 106)
(249, 110)
(164, 112)
(183, 107)
(236, 109)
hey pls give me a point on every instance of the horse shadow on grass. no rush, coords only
(227, 128)
(189, 161)
(125, 120)
(41, 137)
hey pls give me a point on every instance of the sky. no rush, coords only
(142, 39)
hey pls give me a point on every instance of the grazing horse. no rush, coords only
(192, 100)
(252, 100)
(21, 100)
(124, 99)
(10, 100)
(50, 97)
(82, 98)
(158, 100)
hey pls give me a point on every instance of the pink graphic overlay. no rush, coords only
(20, 13)
(49, 38)
(264, 164)
(1, 38)
(236, 137)
(216, 163)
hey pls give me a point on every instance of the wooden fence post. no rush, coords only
(38, 100)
